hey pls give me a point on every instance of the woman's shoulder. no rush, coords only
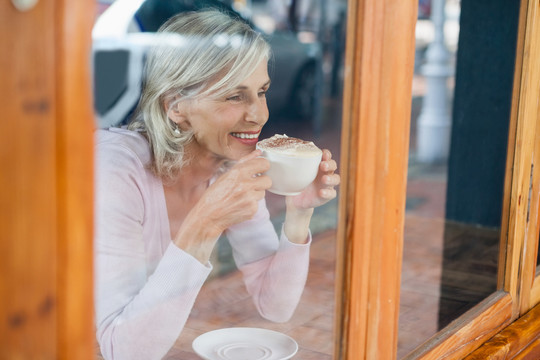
(121, 140)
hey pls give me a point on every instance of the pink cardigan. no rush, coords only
(145, 285)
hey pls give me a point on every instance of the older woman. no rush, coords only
(183, 173)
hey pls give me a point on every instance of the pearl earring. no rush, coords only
(176, 129)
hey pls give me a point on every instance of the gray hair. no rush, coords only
(204, 53)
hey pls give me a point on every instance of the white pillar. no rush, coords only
(433, 129)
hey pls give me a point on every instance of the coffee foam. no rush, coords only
(285, 145)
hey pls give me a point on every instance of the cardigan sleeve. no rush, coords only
(274, 269)
(139, 314)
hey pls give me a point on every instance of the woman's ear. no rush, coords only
(178, 114)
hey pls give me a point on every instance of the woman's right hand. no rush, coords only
(231, 199)
(234, 196)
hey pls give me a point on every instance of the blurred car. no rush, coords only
(123, 34)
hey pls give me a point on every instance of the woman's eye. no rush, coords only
(234, 98)
(262, 93)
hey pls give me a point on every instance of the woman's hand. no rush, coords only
(231, 199)
(234, 196)
(321, 190)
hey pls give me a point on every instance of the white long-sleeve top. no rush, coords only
(145, 286)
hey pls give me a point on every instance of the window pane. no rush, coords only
(304, 101)
(459, 128)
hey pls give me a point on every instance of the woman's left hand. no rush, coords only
(321, 190)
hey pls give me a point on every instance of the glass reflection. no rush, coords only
(304, 101)
(454, 192)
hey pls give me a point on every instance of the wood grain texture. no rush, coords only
(46, 181)
(521, 169)
(531, 352)
(520, 340)
(28, 263)
(469, 331)
(530, 109)
(378, 86)
(535, 291)
(531, 280)
(75, 153)
(512, 128)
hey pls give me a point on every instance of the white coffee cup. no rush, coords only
(291, 170)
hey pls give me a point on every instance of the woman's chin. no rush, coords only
(237, 154)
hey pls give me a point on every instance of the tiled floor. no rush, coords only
(447, 267)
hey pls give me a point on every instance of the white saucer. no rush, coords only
(244, 344)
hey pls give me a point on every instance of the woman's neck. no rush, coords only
(199, 168)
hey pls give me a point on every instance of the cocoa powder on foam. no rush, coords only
(289, 145)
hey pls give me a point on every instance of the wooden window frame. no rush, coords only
(379, 64)
(47, 255)
(529, 108)
(376, 116)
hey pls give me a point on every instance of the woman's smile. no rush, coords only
(246, 137)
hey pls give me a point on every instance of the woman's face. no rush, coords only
(229, 127)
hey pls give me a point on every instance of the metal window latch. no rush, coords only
(24, 5)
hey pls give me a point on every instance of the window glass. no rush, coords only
(304, 101)
(461, 105)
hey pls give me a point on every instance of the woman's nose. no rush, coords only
(257, 112)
